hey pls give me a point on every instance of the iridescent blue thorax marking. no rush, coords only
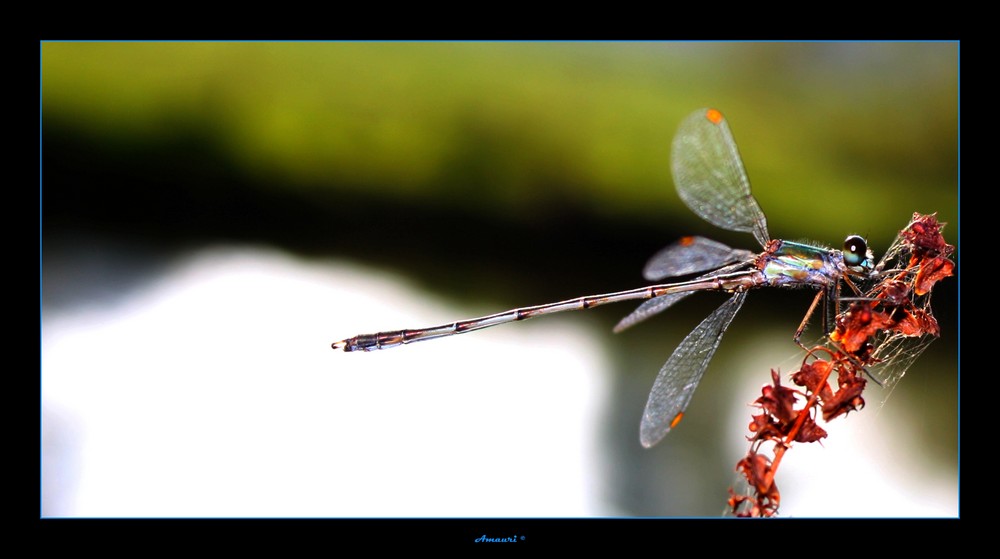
(788, 263)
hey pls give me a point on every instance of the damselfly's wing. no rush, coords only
(651, 307)
(680, 375)
(710, 177)
(689, 255)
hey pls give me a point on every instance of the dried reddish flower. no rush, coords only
(867, 334)
(932, 270)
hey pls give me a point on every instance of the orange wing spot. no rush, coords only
(713, 116)
(686, 241)
(678, 417)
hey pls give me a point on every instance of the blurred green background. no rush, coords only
(504, 174)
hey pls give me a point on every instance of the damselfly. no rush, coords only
(710, 178)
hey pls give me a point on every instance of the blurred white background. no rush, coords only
(212, 391)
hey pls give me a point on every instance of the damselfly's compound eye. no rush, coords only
(855, 250)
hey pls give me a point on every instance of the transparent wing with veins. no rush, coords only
(689, 255)
(680, 375)
(710, 177)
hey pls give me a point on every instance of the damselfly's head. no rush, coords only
(857, 256)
